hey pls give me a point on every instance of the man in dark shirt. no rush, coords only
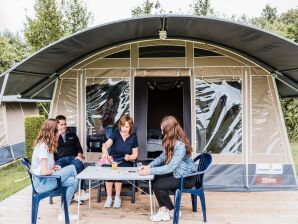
(69, 151)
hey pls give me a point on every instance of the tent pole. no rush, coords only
(247, 132)
(4, 86)
(285, 80)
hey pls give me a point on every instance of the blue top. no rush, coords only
(180, 164)
(119, 147)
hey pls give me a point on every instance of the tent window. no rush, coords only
(204, 53)
(120, 54)
(218, 116)
(106, 101)
(161, 51)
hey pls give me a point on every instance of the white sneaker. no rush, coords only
(160, 216)
(84, 196)
(108, 202)
(172, 213)
(72, 217)
(117, 202)
(77, 198)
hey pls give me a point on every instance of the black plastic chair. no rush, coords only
(37, 197)
(205, 160)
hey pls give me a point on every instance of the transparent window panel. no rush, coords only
(106, 101)
(218, 115)
(266, 133)
(67, 101)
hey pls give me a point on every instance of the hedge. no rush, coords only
(32, 126)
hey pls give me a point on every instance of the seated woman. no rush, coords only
(124, 150)
(43, 164)
(174, 162)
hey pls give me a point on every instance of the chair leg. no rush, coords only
(99, 192)
(177, 206)
(65, 205)
(203, 204)
(194, 202)
(50, 200)
(133, 192)
(35, 204)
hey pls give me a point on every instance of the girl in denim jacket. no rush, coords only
(174, 162)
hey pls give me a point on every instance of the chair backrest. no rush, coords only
(27, 165)
(205, 160)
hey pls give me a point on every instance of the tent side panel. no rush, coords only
(14, 123)
(3, 137)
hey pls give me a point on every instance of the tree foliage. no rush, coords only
(12, 50)
(53, 20)
(147, 8)
(202, 8)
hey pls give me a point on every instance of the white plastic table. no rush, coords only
(106, 173)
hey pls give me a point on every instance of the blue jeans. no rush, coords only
(68, 180)
(71, 160)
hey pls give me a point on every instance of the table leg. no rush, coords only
(79, 200)
(89, 195)
(150, 195)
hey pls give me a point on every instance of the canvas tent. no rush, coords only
(12, 132)
(221, 79)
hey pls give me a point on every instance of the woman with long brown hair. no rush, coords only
(174, 162)
(43, 164)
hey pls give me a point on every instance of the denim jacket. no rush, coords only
(180, 164)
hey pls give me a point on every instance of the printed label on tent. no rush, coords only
(269, 169)
(261, 180)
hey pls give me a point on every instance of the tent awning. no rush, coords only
(35, 76)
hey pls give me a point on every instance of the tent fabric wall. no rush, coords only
(15, 123)
(66, 101)
(258, 96)
(3, 136)
(12, 130)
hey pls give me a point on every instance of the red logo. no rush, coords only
(261, 180)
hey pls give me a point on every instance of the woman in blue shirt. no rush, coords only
(124, 150)
(174, 162)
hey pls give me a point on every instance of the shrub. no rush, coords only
(32, 127)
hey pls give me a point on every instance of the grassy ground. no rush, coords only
(294, 147)
(13, 178)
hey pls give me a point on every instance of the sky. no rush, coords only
(13, 12)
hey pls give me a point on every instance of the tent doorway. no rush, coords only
(156, 98)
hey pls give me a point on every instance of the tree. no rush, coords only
(269, 13)
(53, 20)
(12, 50)
(201, 8)
(47, 26)
(147, 8)
(77, 16)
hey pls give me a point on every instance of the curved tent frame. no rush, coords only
(277, 55)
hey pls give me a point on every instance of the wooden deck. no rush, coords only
(222, 208)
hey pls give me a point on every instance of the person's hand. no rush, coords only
(104, 156)
(56, 167)
(144, 170)
(126, 157)
(79, 158)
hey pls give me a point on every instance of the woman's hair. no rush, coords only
(172, 132)
(127, 119)
(48, 135)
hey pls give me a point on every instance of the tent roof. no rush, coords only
(276, 54)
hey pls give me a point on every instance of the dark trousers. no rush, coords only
(71, 160)
(163, 184)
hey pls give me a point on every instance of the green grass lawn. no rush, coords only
(13, 178)
(294, 147)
